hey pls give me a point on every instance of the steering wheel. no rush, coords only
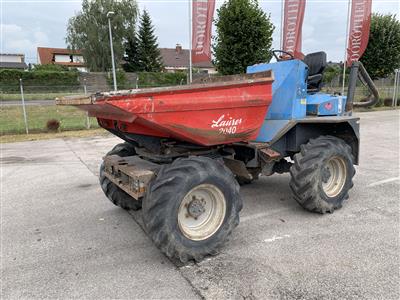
(279, 58)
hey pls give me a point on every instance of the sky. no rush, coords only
(28, 24)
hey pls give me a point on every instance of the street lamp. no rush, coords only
(109, 15)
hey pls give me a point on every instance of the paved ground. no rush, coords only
(62, 238)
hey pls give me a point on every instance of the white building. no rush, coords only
(12, 61)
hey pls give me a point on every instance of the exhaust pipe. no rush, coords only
(358, 71)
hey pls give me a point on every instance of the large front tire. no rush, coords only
(117, 196)
(191, 207)
(322, 174)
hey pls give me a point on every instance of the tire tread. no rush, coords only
(304, 173)
(163, 188)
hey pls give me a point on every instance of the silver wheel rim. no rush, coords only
(335, 177)
(201, 212)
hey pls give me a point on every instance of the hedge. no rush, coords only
(53, 81)
(150, 79)
(9, 79)
(121, 80)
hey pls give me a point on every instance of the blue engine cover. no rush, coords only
(324, 105)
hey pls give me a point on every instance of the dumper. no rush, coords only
(188, 148)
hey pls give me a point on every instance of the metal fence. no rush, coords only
(388, 89)
(32, 109)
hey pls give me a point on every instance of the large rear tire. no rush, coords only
(191, 207)
(117, 196)
(322, 174)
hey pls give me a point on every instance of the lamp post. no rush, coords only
(109, 15)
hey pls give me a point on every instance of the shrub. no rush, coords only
(388, 101)
(53, 125)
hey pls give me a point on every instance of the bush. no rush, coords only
(388, 101)
(53, 125)
(331, 72)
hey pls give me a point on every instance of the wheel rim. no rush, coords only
(201, 212)
(334, 176)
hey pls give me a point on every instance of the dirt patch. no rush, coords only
(46, 136)
(85, 185)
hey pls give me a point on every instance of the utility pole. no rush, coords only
(345, 46)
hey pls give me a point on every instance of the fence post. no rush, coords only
(394, 87)
(23, 105)
(397, 88)
(87, 113)
(137, 81)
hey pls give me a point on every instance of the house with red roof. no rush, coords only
(61, 56)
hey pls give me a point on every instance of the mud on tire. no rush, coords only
(112, 191)
(322, 174)
(254, 173)
(164, 213)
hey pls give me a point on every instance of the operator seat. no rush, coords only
(316, 63)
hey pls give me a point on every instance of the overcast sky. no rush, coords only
(28, 24)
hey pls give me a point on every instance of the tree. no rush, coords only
(88, 31)
(331, 72)
(148, 52)
(131, 55)
(244, 36)
(382, 55)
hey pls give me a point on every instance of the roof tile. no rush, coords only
(13, 65)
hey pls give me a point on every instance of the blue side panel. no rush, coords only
(269, 129)
(288, 89)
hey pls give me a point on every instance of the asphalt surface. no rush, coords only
(27, 102)
(61, 237)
